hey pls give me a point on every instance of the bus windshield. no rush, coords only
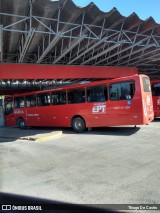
(146, 84)
(156, 89)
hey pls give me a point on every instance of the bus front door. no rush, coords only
(9, 113)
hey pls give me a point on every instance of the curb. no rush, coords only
(54, 135)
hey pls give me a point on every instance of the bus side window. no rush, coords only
(58, 98)
(30, 101)
(19, 102)
(76, 96)
(97, 94)
(43, 99)
(122, 91)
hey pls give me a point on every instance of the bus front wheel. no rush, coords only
(21, 123)
(78, 125)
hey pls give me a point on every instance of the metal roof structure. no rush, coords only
(59, 32)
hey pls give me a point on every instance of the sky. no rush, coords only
(143, 8)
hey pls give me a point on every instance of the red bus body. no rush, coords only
(133, 108)
(156, 96)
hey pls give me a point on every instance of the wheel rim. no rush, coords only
(78, 125)
(21, 123)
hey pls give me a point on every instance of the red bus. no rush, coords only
(155, 84)
(121, 101)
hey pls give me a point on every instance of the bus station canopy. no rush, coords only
(62, 33)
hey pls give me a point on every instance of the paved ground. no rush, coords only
(29, 133)
(109, 165)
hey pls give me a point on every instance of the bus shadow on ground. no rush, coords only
(118, 131)
(6, 140)
(13, 134)
(115, 131)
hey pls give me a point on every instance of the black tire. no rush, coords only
(21, 123)
(78, 125)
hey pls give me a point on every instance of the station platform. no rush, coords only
(33, 134)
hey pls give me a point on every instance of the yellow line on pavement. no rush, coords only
(54, 135)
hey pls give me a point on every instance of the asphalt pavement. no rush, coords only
(104, 166)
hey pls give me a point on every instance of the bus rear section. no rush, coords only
(147, 103)
(156, 97)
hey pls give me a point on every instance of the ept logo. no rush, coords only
(99, 109)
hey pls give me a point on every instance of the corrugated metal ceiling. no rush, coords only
(59, 32)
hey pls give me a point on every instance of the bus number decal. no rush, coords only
(18, 111)
(122, 107)
(30, 115)
(101, 108)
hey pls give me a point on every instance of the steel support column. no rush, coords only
(26, 45)
(1, 43)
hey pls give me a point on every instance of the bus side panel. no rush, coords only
(95, 114)
(123, 113)
(40, 116)
(118, 112)
(156, 96)
(110, 113)
(63, 115)
(59, 115)
(156, 105)
(32, 116)
(19, 113)
(10, 119)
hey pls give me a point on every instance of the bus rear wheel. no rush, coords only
(78, 125)
(21, 123)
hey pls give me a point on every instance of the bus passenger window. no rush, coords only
(19, 102)
(122, 91)
(43, 99)
(30, 101)
(59, 98)
(76, 96)
(97, 94)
